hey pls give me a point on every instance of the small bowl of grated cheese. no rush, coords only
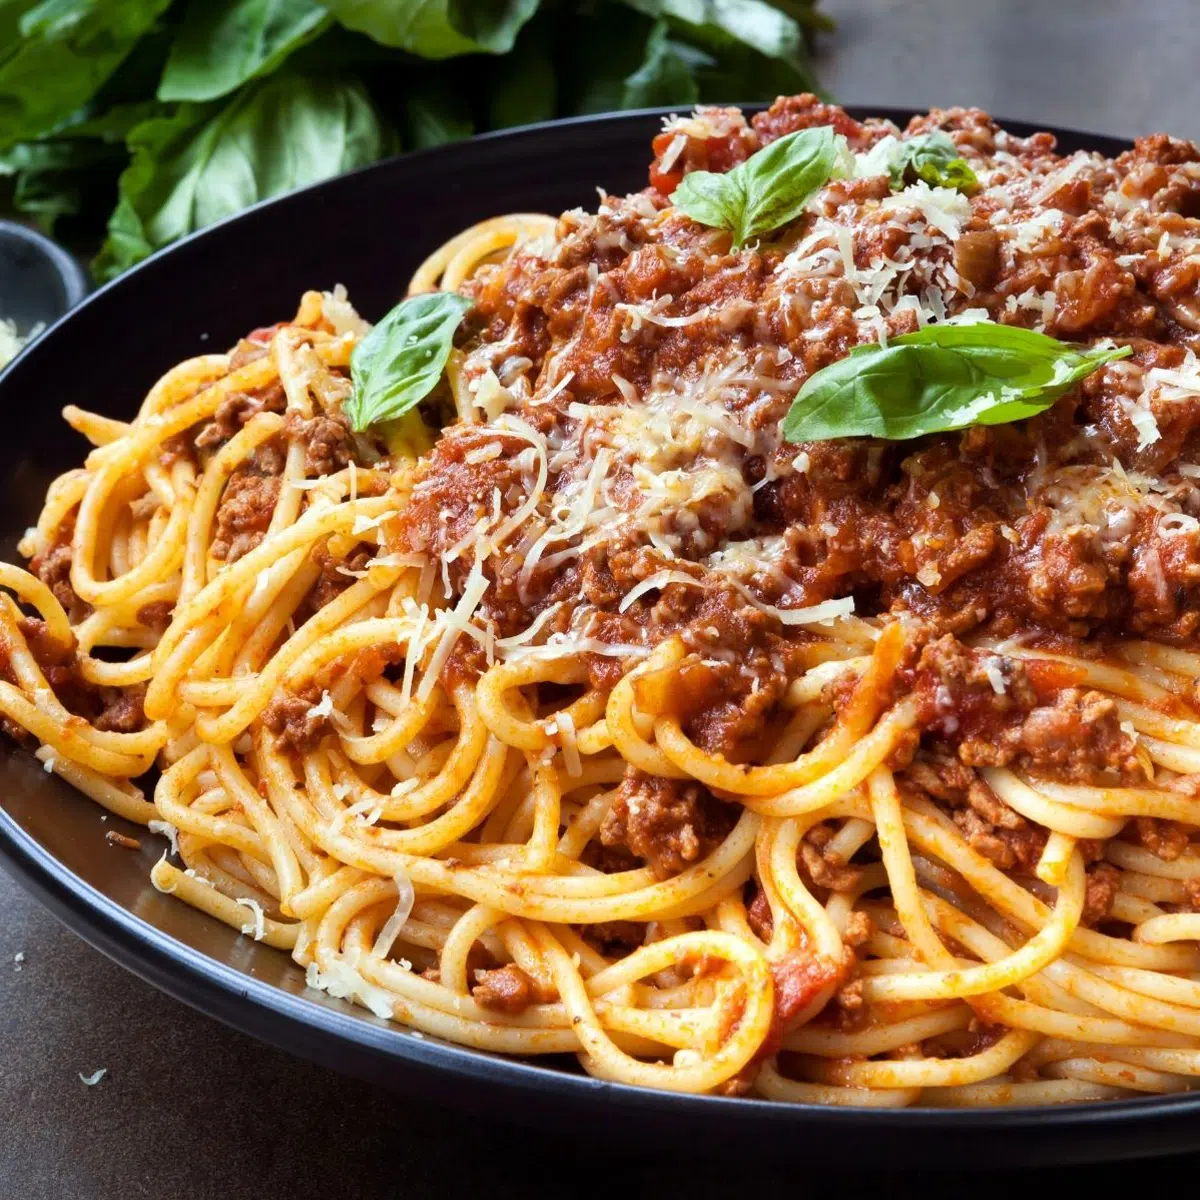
(39, 282)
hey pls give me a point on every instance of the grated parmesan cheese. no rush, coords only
(341, 979)
(405, 898)
(168, 831)
(258, 926)
(993, 668)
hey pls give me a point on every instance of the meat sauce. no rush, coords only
(1076, 525)
(632, 374)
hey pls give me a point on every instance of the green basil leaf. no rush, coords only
(765, 192)
(934, 158)
(712, 199)
(55, 55)
(719, 25)
(57, 177)
(667, 72)
(222, 44)
(73, 170)
(205, 162)
(942, 377)
(594, 53)
(521, 87)
(437, 28)
(434, 111)
(401, 360)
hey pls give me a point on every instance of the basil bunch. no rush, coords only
(156, 117)
(940, 378)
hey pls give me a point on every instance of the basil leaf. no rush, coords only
(55, 178)
(222, 44)
(55, 55)
(768, 190)
(720, 25)
(666, 75)
(74, 169)
(934, 158)
(940, 378)
(205, 162)
(401, 360)
(437, 28)
(434, 111)
(522, 87)
(713, 199)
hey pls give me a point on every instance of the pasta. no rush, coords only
(605, 722)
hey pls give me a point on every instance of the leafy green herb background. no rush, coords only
(136, 122)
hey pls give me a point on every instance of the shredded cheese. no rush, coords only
(168, 831)
(258, 925)
(405, 898)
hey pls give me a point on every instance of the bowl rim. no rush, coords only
(73, 277)
(344, 1037)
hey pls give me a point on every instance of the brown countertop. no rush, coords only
(189, 1108)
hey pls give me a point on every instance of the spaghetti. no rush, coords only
(607, 723)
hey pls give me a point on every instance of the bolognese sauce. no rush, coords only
(574, 706)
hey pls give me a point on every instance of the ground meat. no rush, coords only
(859, 928)
(156, 615)
(759, 918)
(668, 823)
(1072, 738)
(116, 710)
(507, 989)
(790, 113)
(290, 718)
(614, 938)
(716, 140)
(977, 256)
(1068, 732)
(1008, 849)
(826, 872)
(53, 568)
(850, 1007)
(248, 503)
(333, 580)
(328, 442)
(235, 410)
(990, 827)
(963, 1043)
(122, 709)
(59, 666)
(1167, 839)
(611, 860)
(727, 691)
(1103, 880)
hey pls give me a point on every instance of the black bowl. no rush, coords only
(39, 280)
(368, 231)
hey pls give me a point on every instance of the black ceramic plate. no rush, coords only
(368, 231)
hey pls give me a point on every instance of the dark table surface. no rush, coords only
(189, 1108)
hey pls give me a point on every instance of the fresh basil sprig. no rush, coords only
(401, 360)
(940, 378)
(934, 158)
(768, 190)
